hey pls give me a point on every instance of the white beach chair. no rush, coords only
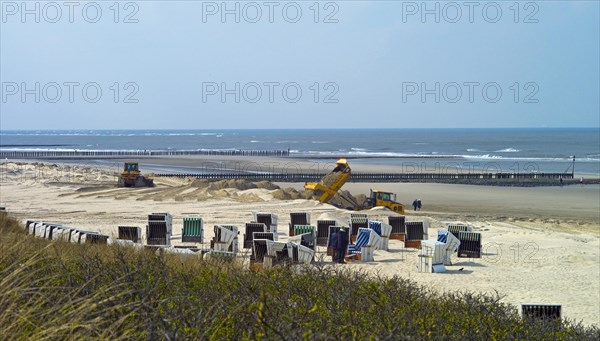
(383, 230)
(367, 241)
(300, 254)
(269, 219)
(432, 255)
(298, 218)
(224, 237)
(452, 244)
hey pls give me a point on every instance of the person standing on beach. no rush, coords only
(419, 204)
(415, 204)
(342, 245)
(333, 242)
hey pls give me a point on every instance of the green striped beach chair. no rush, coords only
(193, 228)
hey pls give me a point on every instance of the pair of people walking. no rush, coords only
(417, 204)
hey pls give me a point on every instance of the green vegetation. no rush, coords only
(59, 291)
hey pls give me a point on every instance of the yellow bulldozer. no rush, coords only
(331, 183)
(132, 177)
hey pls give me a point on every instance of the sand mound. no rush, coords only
(266, 185)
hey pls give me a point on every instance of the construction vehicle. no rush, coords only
(331, 183)
(132, 177)
(385, 199)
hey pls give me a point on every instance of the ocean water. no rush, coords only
(416, 150)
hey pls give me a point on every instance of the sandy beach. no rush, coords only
(540, 245)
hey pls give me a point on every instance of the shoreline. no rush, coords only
(259, 164)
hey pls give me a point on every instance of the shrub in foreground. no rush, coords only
(64, 291)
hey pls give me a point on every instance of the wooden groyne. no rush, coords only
(375, 177)
(7, 154)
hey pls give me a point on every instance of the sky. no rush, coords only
(302, 64)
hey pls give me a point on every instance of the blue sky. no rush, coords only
(375, 65)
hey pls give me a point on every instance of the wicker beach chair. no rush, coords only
(29, 225)
(357, 223)
(455, 228)
(269, 219)
(323, 231)
(96, 238)
(250, 228)
(277, 253)
(259, 250)
(159, 229)
(452, 243)
(470, 245)
(193, 230)
(157, 233)
(225, 238)
(541, 311)
(359, 216)
(225, 256)
(298, 218)
(133, 233)
(366, 243)
(414, 234)
(262, 236)
(398, 227)
(307, 239)
(61, 233)
(383, 230)
(300, 254)
(432, 255)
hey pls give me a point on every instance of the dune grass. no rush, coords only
(59, 291)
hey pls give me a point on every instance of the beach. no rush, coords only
(540, 245)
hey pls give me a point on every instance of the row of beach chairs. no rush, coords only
(64, 233)
(300, 249)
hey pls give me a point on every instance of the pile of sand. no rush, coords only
(101, 183)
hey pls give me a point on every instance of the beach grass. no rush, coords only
(58, 291)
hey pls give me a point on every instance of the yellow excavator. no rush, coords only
(331, 183)
(132, 177)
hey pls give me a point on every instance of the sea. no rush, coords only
(415, 150)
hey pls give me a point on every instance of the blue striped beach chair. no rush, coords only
(357, 223)
(383, 230)
(362, 250)
(452, 243)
